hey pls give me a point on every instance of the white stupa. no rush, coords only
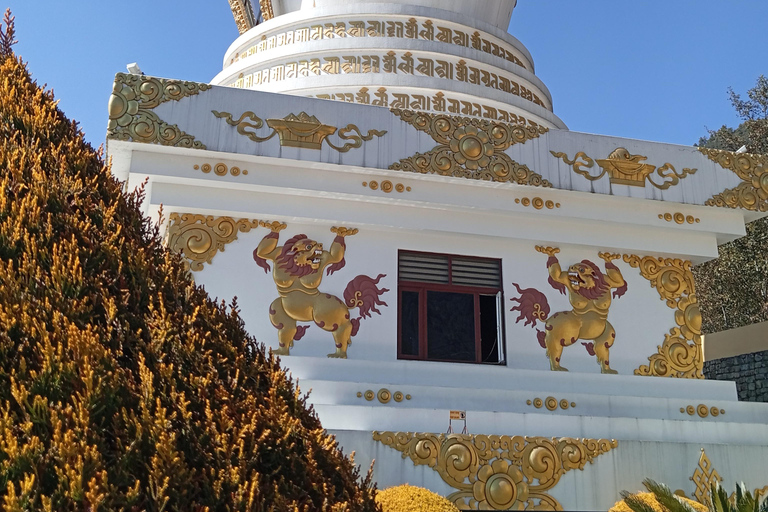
(391, 174)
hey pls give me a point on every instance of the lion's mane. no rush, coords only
(285, 260)
(601, 286)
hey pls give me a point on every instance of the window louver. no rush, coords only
(453, 270)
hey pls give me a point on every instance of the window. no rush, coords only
(449, 308)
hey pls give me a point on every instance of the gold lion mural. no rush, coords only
(589, 291)
(298, 272)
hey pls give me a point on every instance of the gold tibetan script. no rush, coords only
(680, 355)
(493, 472)
(624, 168)
(298, 131)
(470, 148)
(130, 110)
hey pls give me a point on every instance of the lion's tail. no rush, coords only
(532, 305)
(362, 293)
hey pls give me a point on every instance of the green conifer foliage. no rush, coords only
(123, 386)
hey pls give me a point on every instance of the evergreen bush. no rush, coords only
(123, 386)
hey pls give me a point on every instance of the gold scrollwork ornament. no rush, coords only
(680, 355)
(625, 168)
(470, 148)
(200, 237)
(752, 193)
(130, 110)
(491, 472)
(299, 131)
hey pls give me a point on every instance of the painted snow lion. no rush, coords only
(589, 291)
(298, 272)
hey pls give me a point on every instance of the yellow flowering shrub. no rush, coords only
(650, 499)
(408, 498)
(123, 386)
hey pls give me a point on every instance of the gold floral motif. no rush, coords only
(470, 148)
(130, 110)
(752, 194)
(680, 355)
(679, 218)
(386, 186)
(551, 403)
(624, 168)
(198, 237)
(498, 472)
(537, 202)
(383, 395)
(298, 131)
(220, 169)
(702, 410)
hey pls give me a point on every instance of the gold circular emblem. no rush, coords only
(682, 409)
(220, 169)
(563, 403)
(407, 397)
(573, 404)
(667, 217)
(373, 185)
(359, 394)
(702, 410)
(690, 219)
(407, 189)
(690, 410)
(398, 396)
(384, 395)
(234, 171)
(386, 186)
(538, 203)
(538, 402)
(526, 201)
(400, 187)
(365, 183)
(369, 395)
(714, 411)
(551, 403)
(195, 167)
(206, 168)
(679, 218)
(528, 402)
(550, 204)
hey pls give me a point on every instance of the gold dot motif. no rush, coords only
(220, 169)
(386, 186)
(383, 395)
(551, 403)
(702, 411)
(679, 218)
(538, 203)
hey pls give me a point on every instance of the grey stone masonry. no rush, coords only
(749, 371)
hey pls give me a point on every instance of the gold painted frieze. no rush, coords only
(491, 472)
(624, 168)
(199, 238)
(384, 395)
(298, 131)
(702, 410)
(551, 403)
(470, 148)
(386, 186)
(220, 169)
(131, 116)
(752, 193)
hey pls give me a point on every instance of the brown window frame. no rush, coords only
(423, 287)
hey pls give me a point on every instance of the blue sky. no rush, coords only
(645, 69)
